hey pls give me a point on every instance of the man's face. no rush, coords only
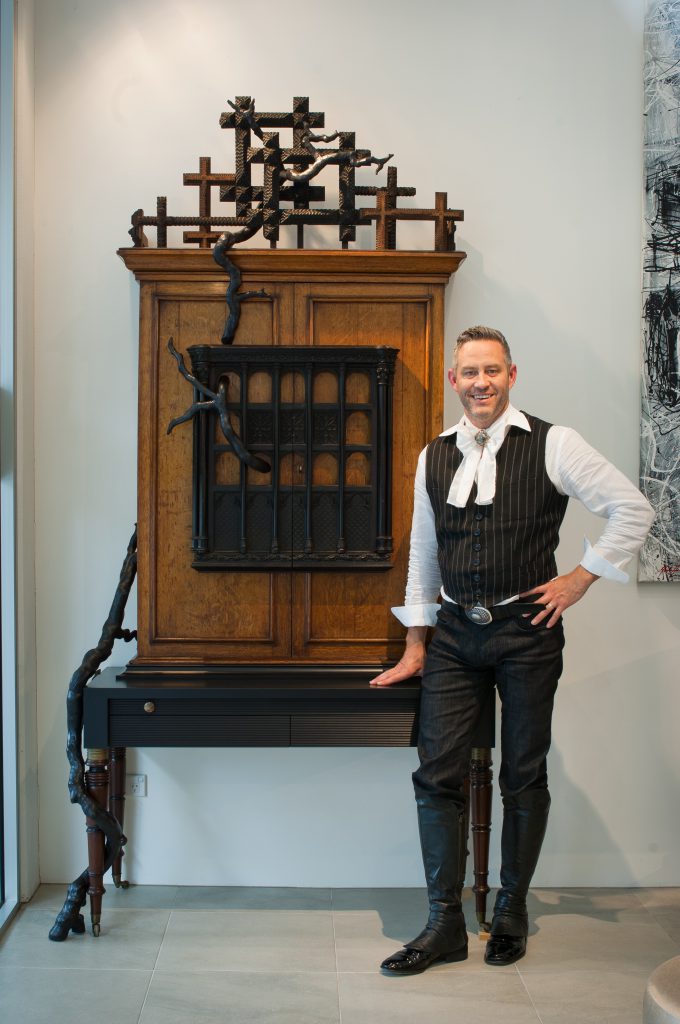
(483, 380)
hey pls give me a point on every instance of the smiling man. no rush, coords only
(490, 496)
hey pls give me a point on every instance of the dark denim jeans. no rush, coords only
(524, 663)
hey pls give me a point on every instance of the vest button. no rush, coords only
(479, 515)
(476, 547)
(475, 561)
(476, 533)
(476, 577)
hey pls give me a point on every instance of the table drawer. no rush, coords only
(223, 730)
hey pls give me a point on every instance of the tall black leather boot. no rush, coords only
(525, 818)
(443, 846)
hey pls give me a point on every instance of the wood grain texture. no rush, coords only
(301, 265)
(347, 615)
(314, 298)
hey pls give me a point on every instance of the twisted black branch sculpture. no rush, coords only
(234, 297)
(335, 156)
(323, 157)
(69, 917)
(217, 402)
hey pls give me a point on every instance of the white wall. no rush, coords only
(530, 115)
(25, 460)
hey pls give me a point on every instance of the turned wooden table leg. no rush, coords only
(464, 851)
(117, 805)
(481, 778)
(97, 785)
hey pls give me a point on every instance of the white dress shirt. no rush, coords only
(574, 468)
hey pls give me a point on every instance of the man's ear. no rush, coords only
(513, 375)
(451, 374)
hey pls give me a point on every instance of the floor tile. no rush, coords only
(234, 998)
(585, 942)
(271, 954)
(580, 900)
(362, 939)
(370, 924)
(134, 897)
(235, 897)
(439, 996)
(140, 897)
(395, 904)
(362, 942)
(37, 996)
(384, 901)
(668, 918)
(48, 896)
(257, 940)
(660, 897)
(602, 996)
(129, 940)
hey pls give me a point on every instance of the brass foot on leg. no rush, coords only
(96, 927)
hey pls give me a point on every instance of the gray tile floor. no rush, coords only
(180, 955)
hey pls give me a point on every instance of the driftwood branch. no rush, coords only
(69, 918)
(234, 297)
(217, 402)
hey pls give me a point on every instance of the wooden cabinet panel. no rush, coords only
(313, 299)
(185, 615)
(348, 615)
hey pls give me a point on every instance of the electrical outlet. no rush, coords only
(135, 785)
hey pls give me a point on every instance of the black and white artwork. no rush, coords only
(660, 448)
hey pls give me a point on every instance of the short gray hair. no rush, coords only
(481, 333)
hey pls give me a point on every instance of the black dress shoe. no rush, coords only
(414, 961)
(502, 950)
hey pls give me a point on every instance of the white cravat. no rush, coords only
(479, 463)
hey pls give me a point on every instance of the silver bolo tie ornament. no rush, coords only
(479, 615)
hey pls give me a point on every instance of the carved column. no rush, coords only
(117, 805)
(97, 786)
(481, 778)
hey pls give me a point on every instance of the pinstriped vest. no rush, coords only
(488, 553)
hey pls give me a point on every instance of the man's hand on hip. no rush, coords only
(558, 594)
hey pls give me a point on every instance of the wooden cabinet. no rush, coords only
(188, 617)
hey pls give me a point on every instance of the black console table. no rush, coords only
(249, 706)
(257, 706)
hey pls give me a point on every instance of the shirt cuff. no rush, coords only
(599, 565)
(417, 614)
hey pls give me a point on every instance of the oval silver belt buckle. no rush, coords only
(480, 616)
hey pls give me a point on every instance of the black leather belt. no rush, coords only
(483, 616)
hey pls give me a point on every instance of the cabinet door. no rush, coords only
(185, 615)
(341, 616)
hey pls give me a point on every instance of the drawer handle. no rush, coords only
(149, 707)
